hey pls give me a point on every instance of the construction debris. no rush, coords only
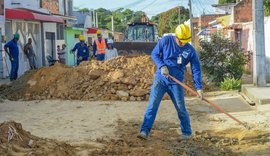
(14, 140)
(126, 78)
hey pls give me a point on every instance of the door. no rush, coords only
(50, 46)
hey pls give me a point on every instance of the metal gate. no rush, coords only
(26, 29)
(50, 45)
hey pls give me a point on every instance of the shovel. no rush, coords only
(209, 102)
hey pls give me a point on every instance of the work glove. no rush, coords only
(164, 71)
(200, 94)
(80, 58)
(11, 59)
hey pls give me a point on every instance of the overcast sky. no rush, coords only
(151, 7)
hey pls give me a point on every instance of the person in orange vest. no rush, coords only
(99, 47)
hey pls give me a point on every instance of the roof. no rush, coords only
(227, 4)
(31, 16)
(224, 20)
(92, 30)
(81, 16)
(139, 23)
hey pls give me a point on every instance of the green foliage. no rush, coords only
(121, 18)
(221, 58)
(226, 1)
(230, 84)
(168, 21)
(84, 10)
(266, 7)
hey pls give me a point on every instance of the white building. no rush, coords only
(223, 8)
(30, 20)
(2, 31)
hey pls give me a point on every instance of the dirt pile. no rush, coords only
(14, 140)
(126, 78)
(163, 142)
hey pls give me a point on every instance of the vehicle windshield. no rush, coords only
(140, 33)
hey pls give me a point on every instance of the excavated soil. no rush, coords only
(127, 78)
(14, 140)
(162, 142)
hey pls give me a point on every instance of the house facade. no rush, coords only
(2, 32)
(42, 20)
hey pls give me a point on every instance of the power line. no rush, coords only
(202, 6)
(149, 5)
(198, 8)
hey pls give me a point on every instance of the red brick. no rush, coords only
(243, 11)
(51, 5)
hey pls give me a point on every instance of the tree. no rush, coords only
(168, 21)
(266, 8)
(226, 1)
(84, 10)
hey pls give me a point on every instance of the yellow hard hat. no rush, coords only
(183, 33)
(98, 32)
(81, 38)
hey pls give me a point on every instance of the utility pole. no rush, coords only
(112, 26)
(191, 24)
(97, 19)
(94, 18)
(259, 69)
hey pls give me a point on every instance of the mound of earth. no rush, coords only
(127, 78)
(163, 142)
(14, 140)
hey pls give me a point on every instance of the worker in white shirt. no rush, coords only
(111, 52)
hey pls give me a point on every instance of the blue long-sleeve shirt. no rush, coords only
(82, 50)
(13, 49)
(95, 46)
(167, 52)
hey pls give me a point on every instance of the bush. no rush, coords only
(221, 58)
(230, 84)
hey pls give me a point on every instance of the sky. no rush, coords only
(151, 7)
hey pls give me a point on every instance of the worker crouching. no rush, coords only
(82, 50)
(171, 55)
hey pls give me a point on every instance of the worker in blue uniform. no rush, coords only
(82, 50)
(12, 50)
(171, 55)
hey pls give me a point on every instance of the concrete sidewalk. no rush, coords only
(4, 81)
(260, 95)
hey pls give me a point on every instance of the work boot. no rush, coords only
(142, 135)
(184, 138)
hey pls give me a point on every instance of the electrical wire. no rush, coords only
(202, 6)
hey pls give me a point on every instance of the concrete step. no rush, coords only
(260, 95)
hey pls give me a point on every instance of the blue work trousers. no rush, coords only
(14, 70)
(79, 61)
(176, 92)
(100, 57)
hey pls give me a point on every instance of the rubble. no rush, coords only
(123, 78)
(14, 140)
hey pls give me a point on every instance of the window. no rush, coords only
(60, 31)
(61, 7)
